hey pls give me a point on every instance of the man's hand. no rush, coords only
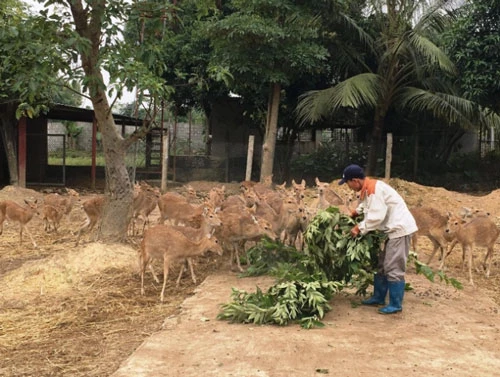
(355, 231)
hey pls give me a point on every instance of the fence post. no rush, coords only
(388, 156)
(164, 166)
(248, 174)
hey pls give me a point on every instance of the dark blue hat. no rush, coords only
(351, 172)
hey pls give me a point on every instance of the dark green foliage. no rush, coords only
(267, 255)
(342, 257)
(305, 281)
(304, 301)
(328, 161)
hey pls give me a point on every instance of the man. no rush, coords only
(383, 209)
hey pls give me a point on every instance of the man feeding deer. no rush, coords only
(385, 210)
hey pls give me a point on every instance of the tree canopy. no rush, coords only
(473, 41)
(404, 72)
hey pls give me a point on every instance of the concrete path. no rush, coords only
(442, 332)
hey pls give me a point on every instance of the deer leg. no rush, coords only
(153, 273)
(165, 277)
(146, 222)
(183, 268)
(488, 257)
(142, 262)
(29, 234)
(470, 265)
(190, 264)
(436, 246)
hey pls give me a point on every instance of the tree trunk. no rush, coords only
(117, 211)
(8, 124)
(269, 145)
(378, 125)
(116, 214)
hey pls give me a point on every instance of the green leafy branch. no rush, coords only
(305, 282)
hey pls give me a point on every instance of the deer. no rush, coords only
(237, 228)
(326, 196)
(145, 201)
(64, 202)
(217, 195)
(178, 210)
(209, 221)
(52, 215)
(93, 211)
(14, 212)
(432, 224)
(479, 231)
(299, 189)
(164, 242)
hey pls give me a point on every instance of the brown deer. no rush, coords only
(178, 210)
(432, 224)
(145, 201)
(237, 228)
(14, 212)
(52, 215)
(209, 222)
(164, 242)
(326, 196)
(481, 232)
(93, 211)
(64, 202)
(299, 189)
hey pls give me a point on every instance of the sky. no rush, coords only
(127, 97)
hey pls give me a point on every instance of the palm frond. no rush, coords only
(363, 89)
(365, 38)
(436, 16)
(432, 53)
(447, 107)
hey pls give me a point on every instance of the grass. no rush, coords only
(81, 158)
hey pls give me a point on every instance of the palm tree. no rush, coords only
(408, 72)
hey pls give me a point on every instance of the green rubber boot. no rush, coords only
(379, 291)
(396, 293)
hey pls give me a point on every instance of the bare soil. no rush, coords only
(69, 310)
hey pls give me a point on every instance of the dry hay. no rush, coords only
(69, 313)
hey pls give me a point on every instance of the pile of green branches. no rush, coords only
(306, 281)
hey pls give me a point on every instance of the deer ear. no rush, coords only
(303, 183)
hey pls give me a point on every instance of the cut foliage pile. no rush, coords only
(306, 282)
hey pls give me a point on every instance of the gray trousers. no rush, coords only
(392, 259)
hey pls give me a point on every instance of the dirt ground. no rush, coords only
(69, 310)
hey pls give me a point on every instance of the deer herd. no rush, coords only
(188, 224)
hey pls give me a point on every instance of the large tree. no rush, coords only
(266, 45)
(85, 42)
(473, 42)
(403, 71)
(29, 64)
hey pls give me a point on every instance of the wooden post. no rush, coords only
(251, 140)
(21, 151)
(388, 156)
(164, 166)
